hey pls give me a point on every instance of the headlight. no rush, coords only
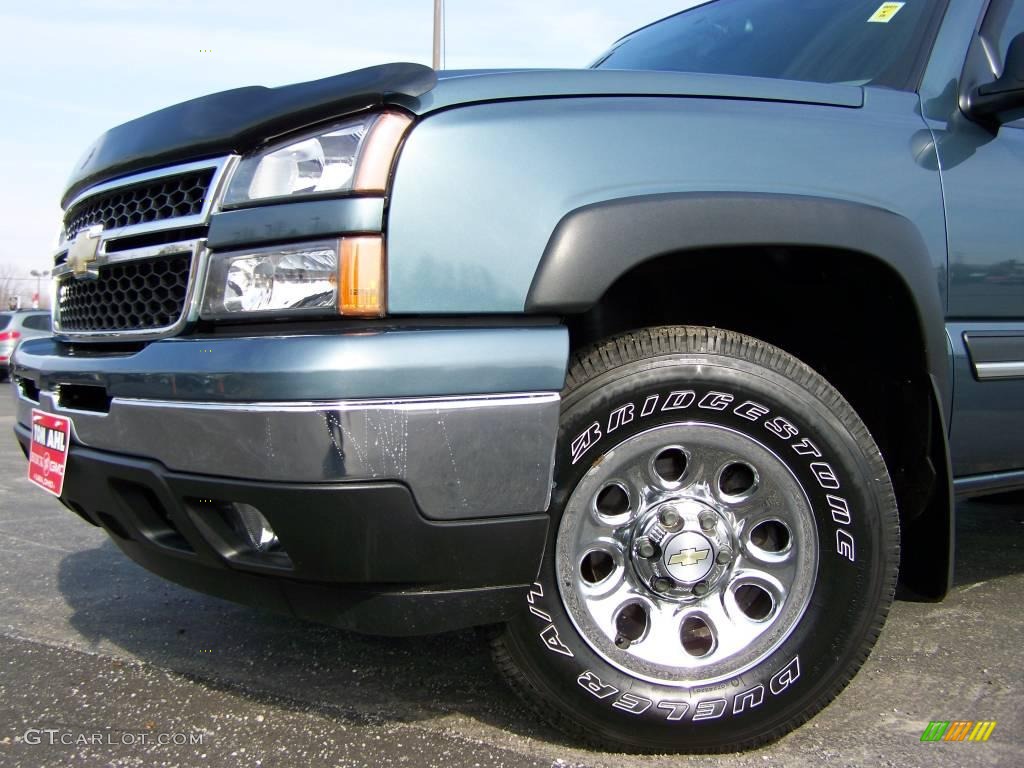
(353, 156)
(323, 278)
(301, 280)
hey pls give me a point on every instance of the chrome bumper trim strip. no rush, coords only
(463, 457)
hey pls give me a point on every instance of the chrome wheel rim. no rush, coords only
(687, 554)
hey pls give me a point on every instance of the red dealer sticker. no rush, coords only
(51, 436)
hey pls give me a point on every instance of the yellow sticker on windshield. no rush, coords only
(885, 12)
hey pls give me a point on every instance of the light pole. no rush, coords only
(438, 27)
(38, 275)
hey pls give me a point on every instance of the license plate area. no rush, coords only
(48, 452)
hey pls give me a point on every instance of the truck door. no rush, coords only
(983, 182)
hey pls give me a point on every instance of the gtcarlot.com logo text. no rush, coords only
(55, 736)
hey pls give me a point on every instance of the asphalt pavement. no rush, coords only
(102, 663)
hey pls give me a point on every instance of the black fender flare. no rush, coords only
(594, 245)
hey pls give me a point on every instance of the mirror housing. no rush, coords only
(1002, 100)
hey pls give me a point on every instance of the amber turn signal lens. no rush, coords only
(377, 156)
(361, 279)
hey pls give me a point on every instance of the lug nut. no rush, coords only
(700, 588)
(708, 521)
(661, 584)
(669, 518)
(724, 556)
(622, 642)
(646, 549)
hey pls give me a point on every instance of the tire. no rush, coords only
(722, 552)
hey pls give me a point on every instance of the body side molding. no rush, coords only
(996, 354)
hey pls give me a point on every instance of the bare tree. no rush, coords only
(8, 284)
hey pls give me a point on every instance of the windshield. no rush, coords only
(4, 321)
(825, 41)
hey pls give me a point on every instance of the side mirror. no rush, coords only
(1002, 100)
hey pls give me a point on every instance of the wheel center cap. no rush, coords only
(688, 556)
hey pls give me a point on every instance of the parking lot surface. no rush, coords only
(103, 664)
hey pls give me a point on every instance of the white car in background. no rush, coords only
(16, 326)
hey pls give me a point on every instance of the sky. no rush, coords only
(71, 69)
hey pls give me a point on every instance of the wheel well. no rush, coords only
(847, 315)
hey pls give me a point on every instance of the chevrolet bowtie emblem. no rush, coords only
(83, 254)
(689, 556)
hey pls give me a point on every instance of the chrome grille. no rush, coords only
(140, 295)
(169, 197)
(138, 280)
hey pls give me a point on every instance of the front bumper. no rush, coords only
(466, 418)
(405, 513)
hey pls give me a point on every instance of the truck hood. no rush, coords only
(241, 119)
(467, 86)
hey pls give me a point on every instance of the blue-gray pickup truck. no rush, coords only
(667, 371)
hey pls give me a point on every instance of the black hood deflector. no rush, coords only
(238, 120)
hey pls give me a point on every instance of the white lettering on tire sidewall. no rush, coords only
(777, 428)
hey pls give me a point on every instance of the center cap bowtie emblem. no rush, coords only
(689, 556)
